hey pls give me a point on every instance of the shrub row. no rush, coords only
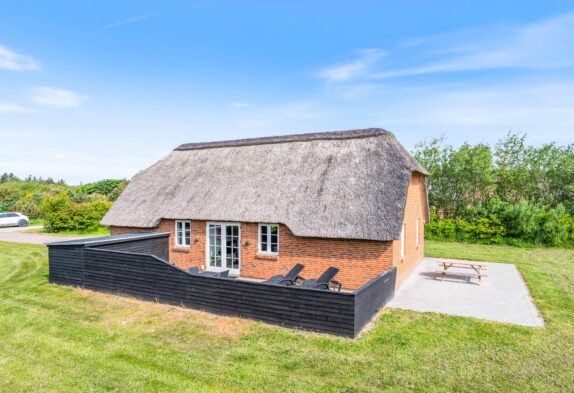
(61, 214)
(502, 222)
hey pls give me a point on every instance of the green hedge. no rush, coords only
(501, 222)
(61, 214)
(482, 230)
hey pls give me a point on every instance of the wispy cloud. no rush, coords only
(128, 20)
(58, 98)
(342, 72)
(10, 107)
(542, 45)
(546, 44)
(10, 60)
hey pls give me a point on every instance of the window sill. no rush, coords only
(267, 256)
(181, 249)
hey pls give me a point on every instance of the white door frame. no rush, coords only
(234, 272)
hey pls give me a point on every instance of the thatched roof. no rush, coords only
(344, 184)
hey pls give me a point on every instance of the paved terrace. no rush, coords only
(502, 295)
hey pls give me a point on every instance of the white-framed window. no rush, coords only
(223, 243)
(417, 232)
(403, 241)
(269, 238)
(182, 233)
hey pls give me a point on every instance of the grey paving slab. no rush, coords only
(501, 296)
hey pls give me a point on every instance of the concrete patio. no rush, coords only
(502, 295)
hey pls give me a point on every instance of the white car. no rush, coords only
(13, 220)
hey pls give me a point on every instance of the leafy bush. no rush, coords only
(8, 198)
(62, 214)
(481, 230)
(554, 226)
(516, 223)
(28, 208)
(81, 197)
(441, 230)
(111, 188)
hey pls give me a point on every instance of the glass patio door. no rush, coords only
(223, 247)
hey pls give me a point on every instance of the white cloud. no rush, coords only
(129, 20)
(10, 60)
(542, 45)
(545, 44)
(9, 107)
(59, 98)
(367, 59)
(239, 105)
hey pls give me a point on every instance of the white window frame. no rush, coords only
(417, 232)
(180, 241)
(403, 241)
(208, 267)
(267, 228)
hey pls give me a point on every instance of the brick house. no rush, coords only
(355, 200)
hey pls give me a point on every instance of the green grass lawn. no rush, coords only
(55, 338)
(100, 231)
(36, 221)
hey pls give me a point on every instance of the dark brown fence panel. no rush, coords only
(148, 277)
(135, 264)
(372, 297)
(66, 265)
(158, 246)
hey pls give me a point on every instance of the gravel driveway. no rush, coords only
(19, 235)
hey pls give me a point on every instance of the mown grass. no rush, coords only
(99, 231)
(36, 221)
(55, 338)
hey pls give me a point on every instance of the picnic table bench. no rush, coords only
(476, 269)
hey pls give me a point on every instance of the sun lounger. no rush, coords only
(291, 278)
(325, 281)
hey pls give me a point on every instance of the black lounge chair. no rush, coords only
(290, 278)
(325, 281)
(223, 274)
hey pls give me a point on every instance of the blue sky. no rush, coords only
(101, 89)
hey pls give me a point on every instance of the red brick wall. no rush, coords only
(415, 209)
(358, 260)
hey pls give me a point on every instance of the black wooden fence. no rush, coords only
(117, 264)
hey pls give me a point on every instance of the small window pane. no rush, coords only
(263, 239)
(178, 233)
(182, 233)
(187, 233)
(269, 238)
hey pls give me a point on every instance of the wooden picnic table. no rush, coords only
(477, 269)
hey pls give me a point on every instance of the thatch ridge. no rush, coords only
(344, 184)
(315, 136)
